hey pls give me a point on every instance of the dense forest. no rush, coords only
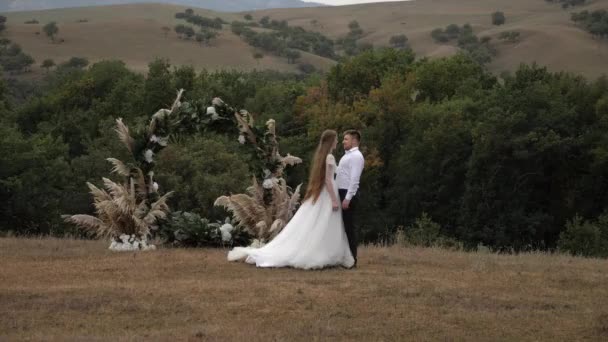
(517, 162)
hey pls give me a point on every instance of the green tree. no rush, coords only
(498, 18)
(184, 78)
(307, 68)
(510, 36)
(76, 62)
(189, 32)
(292, 56)
(357, 76)
(166, 30)
(399, 41)
(257, 55)
(51, 29)
(442, 79)
(200, 38)
(47, 64)
(208, 35)
(440, 36)
(158, 88)
(248, 17)
(453, 31)
(180, 29)
(33, 199)
(200, 169)
(525, 152)
(585, 238)
(2, 23)
(265, 21)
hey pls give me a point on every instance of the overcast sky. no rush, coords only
(347, 2)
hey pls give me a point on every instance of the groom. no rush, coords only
(348, 175)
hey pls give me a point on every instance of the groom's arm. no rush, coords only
(355, 176)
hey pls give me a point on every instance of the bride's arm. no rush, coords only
(329, 182)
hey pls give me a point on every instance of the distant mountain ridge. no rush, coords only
(215, 5)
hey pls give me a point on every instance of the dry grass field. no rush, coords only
(549, 37)
(133, 33)
(53, 289)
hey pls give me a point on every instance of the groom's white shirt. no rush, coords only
(349, 172)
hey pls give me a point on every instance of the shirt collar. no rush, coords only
(356, 148)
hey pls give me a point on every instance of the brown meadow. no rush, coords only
(61, 289)
(132, 33)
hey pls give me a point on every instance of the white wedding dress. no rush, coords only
(313, 238)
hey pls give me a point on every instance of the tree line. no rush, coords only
(517, 163)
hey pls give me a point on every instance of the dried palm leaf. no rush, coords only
(123, 134)
(158, 209)
(277, 226)
(177, 103)
(119, 167)
(293, 203)
(290, 160)
(89, 223)
(116, 190)
(244, 208)
(245, 128)
(140, 183)
(121, 196)
(99, 194)
(256, 191)
(260, 230)
(279, 197)
(158, 117)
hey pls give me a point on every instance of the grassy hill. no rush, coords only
(72, 290)
(133, 33)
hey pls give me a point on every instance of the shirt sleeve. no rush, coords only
(355, 175)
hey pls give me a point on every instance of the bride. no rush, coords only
(315, 237)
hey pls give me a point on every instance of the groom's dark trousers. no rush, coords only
(349, 227)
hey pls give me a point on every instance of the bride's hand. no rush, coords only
(335, 206)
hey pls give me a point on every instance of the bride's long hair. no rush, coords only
(316, 180)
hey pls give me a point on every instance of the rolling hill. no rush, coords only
(133, 33)
(216, 5)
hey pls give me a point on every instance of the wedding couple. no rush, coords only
(322, 232)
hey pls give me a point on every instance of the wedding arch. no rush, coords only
(128, 212)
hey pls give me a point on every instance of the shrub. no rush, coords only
(498, 18)
(185, 229)
(585, 238)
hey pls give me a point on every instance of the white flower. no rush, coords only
(148, 155)
(256, 243)
(211, 110)
(135, 244)
(226, 229)
(155, 186)
(269, 183)
(241, 139)
(163, 141)
(217, 102)
(154, 138)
